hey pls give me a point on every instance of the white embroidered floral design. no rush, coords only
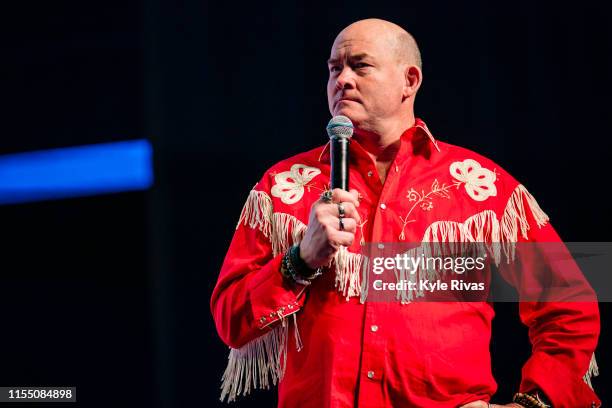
(290, 184)
(360, 226)
(426, 205)
(425, 200)
(479, 181)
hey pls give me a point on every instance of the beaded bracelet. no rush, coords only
(294, 268)
(529, 400)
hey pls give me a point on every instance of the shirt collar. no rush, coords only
(419, 128)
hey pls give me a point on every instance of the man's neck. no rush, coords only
(382, 144)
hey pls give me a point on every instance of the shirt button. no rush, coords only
(374, 328)
(370, 173)
(370, 374)
(383, 206)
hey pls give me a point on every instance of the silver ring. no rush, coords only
(341, 213)
(326, 197)
(341, 224)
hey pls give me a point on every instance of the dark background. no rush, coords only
(111, 293)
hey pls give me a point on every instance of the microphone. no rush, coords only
(340, 131)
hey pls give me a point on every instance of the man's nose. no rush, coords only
(345, 79)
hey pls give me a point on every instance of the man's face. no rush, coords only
(365, 80)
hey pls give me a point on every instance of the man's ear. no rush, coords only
(412, 80)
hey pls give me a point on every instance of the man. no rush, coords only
(289, 299)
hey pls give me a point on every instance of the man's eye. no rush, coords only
(361, 65)
(335, 68)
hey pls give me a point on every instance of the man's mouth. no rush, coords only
(346, 99)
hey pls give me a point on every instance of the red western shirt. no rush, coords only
(326, 348)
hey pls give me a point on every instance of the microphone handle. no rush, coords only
(339, 162)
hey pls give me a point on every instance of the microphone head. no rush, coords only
(340, 127)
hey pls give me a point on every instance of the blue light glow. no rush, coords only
(76, 171)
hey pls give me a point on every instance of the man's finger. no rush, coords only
(355, 193)
(348, 209)
(339, 196)
(342, 238)
(349, 225)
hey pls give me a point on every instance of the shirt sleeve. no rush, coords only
(563, 333)
(251, 295)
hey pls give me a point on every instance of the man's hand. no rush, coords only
(482, 404)
(323, 236)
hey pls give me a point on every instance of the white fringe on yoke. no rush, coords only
(262, 362)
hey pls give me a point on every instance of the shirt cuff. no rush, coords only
(561, 386)
(272, 296)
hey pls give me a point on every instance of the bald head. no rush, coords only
(399, 41)
(374, 76)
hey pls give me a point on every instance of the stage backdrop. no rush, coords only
(110, 293)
